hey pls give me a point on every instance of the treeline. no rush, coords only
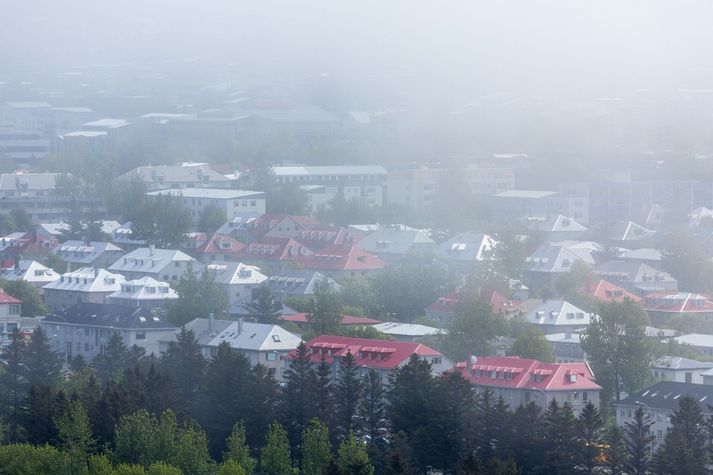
(183, 414)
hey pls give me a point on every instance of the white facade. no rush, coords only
(166, 265)
(233, 202)
(238, 280)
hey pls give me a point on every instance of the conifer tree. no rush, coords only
(316, 452)
(457, 414)
(372, 406)
(75, 435)
(42, 365)
(352, 458)
(526, 442)
(113, 360)
(684, 446)
(615, 452)
(275, 457)
(560, 439)
(264, 307)
(347, 394)
(238, 451)
(639, 439)
(183, 362)
(297, 405)
(42, 405)
(323, 393)
(13, 384)
(589, 425)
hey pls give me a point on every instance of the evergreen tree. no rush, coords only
(396, 465)
(42, 404)
(77, 364)
(262, 401)
(639, 439)
(183, 362)
(560, 439)
(531, 343)
(470, 465)
(42, 365)
(264, 307)
(210, 219)
(323, 393)
(297, 403)
(13, 384)
(275, 457)
(347, 394)
(684, 446)
(316, 452)
(456, 418)
(526, 442)
(113, 360)
(589, 425)
(238, 451)
(615, 453)
(473, 328)
(490, 432)
(75, 435)
(352, 458)
(161, 221)
(372, 408)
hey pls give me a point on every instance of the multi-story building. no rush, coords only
(164, 177)
(30, 271)
(146, 293)
(85, 329)
(233, 203)
(86, 284)
(166, 265)
(516, 204)
(681, 370)
(663, 307)
(520, 381)
(237, 280)
(10, 318)
(88, 253)
(363, 183)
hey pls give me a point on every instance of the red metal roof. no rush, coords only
(520, 373)
(343, 258)
(604, 290)
(498, 302)
(213, 245)
(274, 249)
(346, 319)
(7, 298)
(377, 354)
(678, 302)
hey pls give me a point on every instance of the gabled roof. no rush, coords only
(243, 335)
(298, 282)
(558, 312)
(320, 237)
(343, 258)
(527, 374)
(378, 354)
(466, 247)
(665, 395)
(220, 244)
(175, 174)
(642, 254)
(629, 231)
(678, 302)
(209, 193)
(31, 271)
(631, 272)
(144, 289)
(604, 290)
(445, 304)
(346, 320)
(121, 316)
(124, 235)
(151, 260)
(232, 273)
(88, 279)
(330, 170)
(698, 214)
(556, 224)
(274, 249)
(6, 298)
(395, 241)
(549, 258)
(696, 339)
(407, 329)
(679, 363)
(80, 252)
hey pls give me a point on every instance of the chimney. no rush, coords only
(87, 241)
(17, 262)
(152, 248)
(96, 272)
(211, 319)
(240, 326)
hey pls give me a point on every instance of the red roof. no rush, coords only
(8, 299)
(378, 354)
(680, 302)
(319, 237)
(604, 290)
(498, 302)
(268, 221)
(343, 258)
(445, 304)
(216, 243)
(520, 373)
(346, 319)
(274, 249)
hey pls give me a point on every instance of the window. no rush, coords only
(276, 338)
(140, 335)
(271, 356)
(436, 360)
(86, 347)
(585, 396)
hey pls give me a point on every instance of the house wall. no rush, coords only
(679, 375)
(56, 299)
(516, 397)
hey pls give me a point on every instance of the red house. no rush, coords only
(343, 261)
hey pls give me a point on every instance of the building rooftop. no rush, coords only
(330, 170)
(243, 335)
(407, 329)
(112, 316)
(209, 193)
(528, 194)
(145, 288)
(665, 395)
(87, 279)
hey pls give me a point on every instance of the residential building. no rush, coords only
(646, 255)
(636, 277)
(442, 310)
(86, 284)
(680, 370)
(659, 401)
(516, 204)
(556, 227)
(166, 265)
(318, 238)
(261, 343)
(123, 236)
(343, 261)
(232, 202)
(146, 293)
(216, 248)
(662, 307)
(88, 254)
(411, 332)
(85, 329)
(163, 177)
(237, 280)
(520, 381)
(606, 291)
(274, 254)
(625, 233)
(282, 226)
(362, 183)
(701, 343)
(550, 261)
(395, 243)
(298, 283)
(33, 272)
(556, 316)
(566, 347)
(383, 356)
(466, 249)
(302, 320)
(10, 318)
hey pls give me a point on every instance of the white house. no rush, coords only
(556, 316)
(94, 253)
(9, 316)
(31, 271)
(466, 248)
(681, 370)
(146, 293)
(233, 202)
(86, 284)
(166, 265)
(238, 280)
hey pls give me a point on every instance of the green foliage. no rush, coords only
(185, 365)
(639, 438)
(25, 459)
(161, 221)
(531, 343)
(685, 259)
(510, 254)
(198, 297)
(32, 305)
(619, 350)
(347, 394)
(42, 364)
(684, 446)
(325, 310)
(615, 453)
(231, 467)
(210, 219)
(316, 451)
(20, 219)
(238, 452)
(275, 457)
(75, 435)
(371, 406)
(264, 307)
(589, 424)
(13, 384)
(162, 468)
(352, 458)
(55, 263)
(342, 212)
(115, 358)
(297, 404)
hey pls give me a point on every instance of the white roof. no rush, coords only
(466, 247)
(86, 133)
(244, 335)
(150, 260)
(145, 288)
(696, 339)
(406, 329)
(79, 252)
(88, 279)
(330, 170)
(211, 193)
(564, 337)
(679, 363)
(525, 194)
(31, 271)
(28, 104)
(558, 312)
(228, 273)
(107, 123)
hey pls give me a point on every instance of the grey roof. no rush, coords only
(395, 241)
(529, 194)
(109, 315)
(637, 272)
(79, 252)
(466, 247)
(151, 260)
(696, 339)
(175, 173)
(330, 170)
(298, 282)
(407, 329)
(677, 362)
(550, 258)
(643, 254)
(665, 395)
(556, 224)
(87, 279)
(559, 312)
(243, 335)
(629, 231)
(211, 193)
